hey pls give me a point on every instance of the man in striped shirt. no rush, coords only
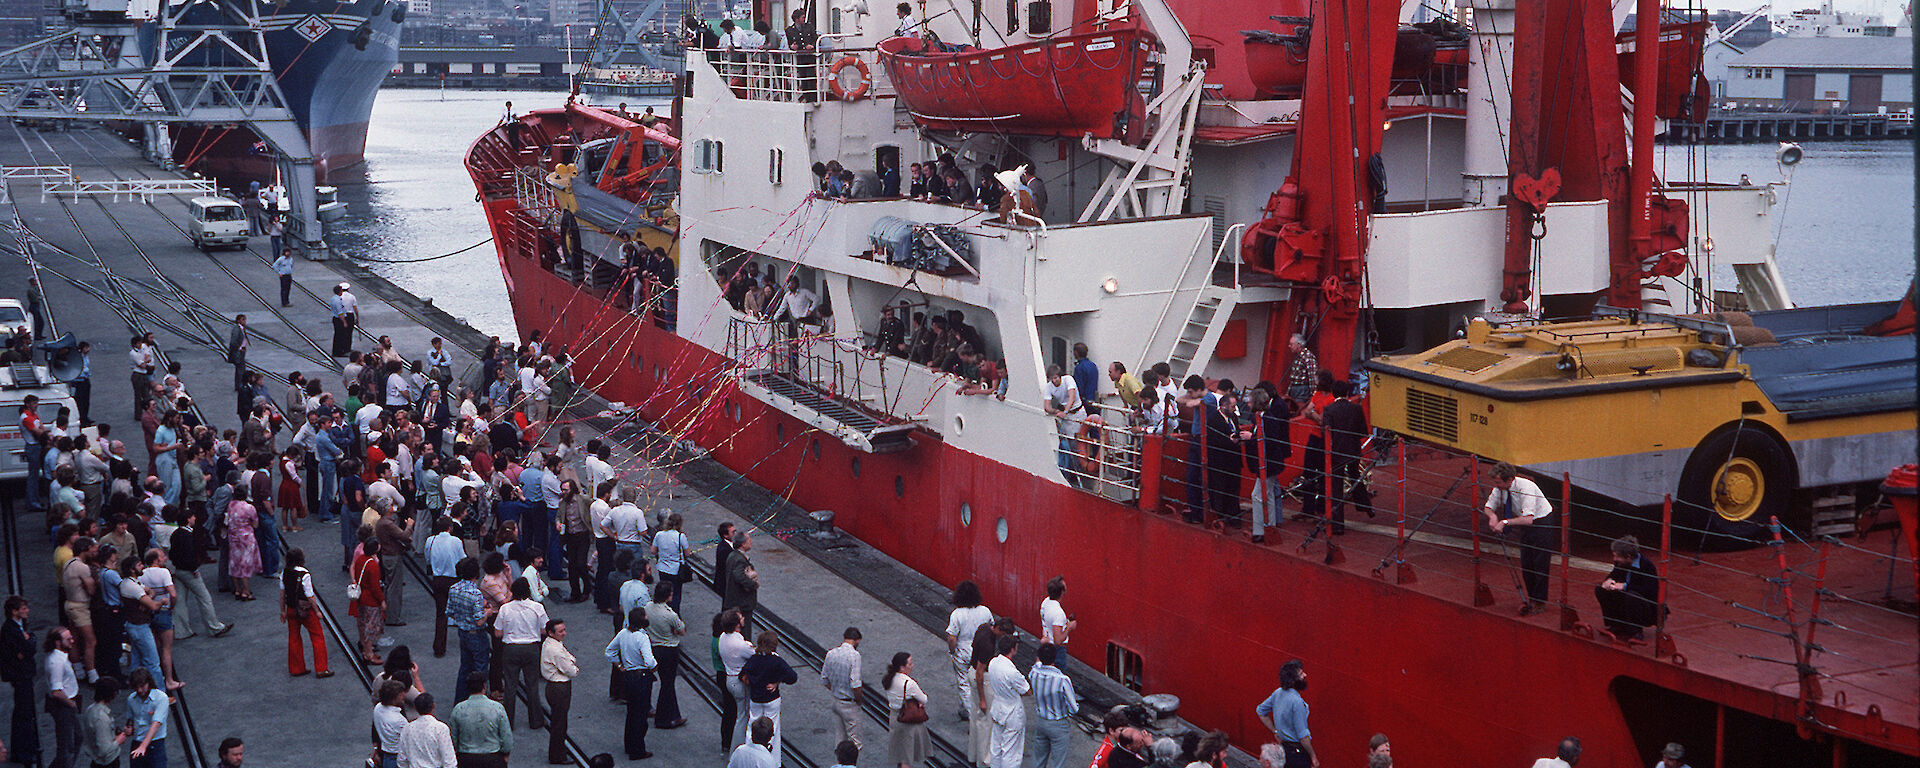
(1053, 702)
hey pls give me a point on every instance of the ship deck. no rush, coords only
(1736, 616)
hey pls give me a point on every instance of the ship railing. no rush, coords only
(1428, 500)
(793, 76)
(804, 354)
(1100, 451)
(532, 192)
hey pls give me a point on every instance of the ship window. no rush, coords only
(1125, 666)
(856, 466)
(966, 513)
(708, 156)
(776, 166)
(899, 487)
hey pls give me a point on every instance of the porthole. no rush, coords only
(966, 513)
(780, 432)
(856, 466)
(899, 487)
(1000, 530)
(815, 449)
(959, 424)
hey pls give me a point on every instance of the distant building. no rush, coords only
(1833, 74)
(1714, 61)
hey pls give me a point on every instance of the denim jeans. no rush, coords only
(1266, 504)
(145, 652)
(329, 483)
(475, 645)
(155, 757)
(1050, 738)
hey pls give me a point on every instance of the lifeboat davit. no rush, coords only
(1066, 85)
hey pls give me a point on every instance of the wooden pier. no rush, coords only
(1750, 127)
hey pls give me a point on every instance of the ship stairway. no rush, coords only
(818, 381)
(1212, 307)
(852, 424)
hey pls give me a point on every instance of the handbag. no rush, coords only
(912, 711)
(353, 588)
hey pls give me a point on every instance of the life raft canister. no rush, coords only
(858, 91)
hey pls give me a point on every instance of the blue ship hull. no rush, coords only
(329, 58)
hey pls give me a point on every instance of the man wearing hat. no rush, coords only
(1674, 756)
(346, 314)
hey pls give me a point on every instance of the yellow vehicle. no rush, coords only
(1735, 415)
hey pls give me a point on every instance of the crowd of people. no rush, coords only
(490, 488)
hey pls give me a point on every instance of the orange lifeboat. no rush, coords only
(1066, 85)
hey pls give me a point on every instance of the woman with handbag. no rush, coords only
(366, 601)
(299, 611)
(670, 547)
(907, 714)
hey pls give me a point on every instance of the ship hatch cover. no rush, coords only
(1468, 359)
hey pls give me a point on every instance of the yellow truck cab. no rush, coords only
(1734, 414)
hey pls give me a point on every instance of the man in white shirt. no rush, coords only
(599, 468)
(909, 26)
(536, 586)
(346, 314)
(799, 303)
(63, 697)
(629, 524)
(840, 672)
(734, 652)
(444, 551)
(364, 420)
(1055, 624)
(426, 742)
(1566, 755)
(599, 520)
(1005, 687)
(389, 721)
(521, 625)
(385, 488)
(1517, 504)
(758, 751)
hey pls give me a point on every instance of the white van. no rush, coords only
(16, 382)
(217, 221)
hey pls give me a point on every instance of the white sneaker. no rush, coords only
(93, 675)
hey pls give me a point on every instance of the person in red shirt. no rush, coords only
(370, 607)
(35, 436)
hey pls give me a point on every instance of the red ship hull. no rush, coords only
(1211, 616)
(1070, 85)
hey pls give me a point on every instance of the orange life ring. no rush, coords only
(857, 92)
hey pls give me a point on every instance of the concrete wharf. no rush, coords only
(111, 269)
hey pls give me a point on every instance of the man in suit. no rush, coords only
(237, 351)
(1346, 424)
(16, 667)
(1630, 595)
(743, 582)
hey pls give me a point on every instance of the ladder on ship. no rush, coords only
(801, 375)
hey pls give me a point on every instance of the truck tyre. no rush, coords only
(1735, 482)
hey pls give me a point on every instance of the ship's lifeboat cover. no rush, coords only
(1065, 85)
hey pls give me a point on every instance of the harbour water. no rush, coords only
(413, 200)
(1846, 223)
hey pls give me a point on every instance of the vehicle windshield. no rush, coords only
(12, 316)
(222, 213)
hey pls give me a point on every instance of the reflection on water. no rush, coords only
(1846, 228)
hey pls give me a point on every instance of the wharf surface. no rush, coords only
(112, 269)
